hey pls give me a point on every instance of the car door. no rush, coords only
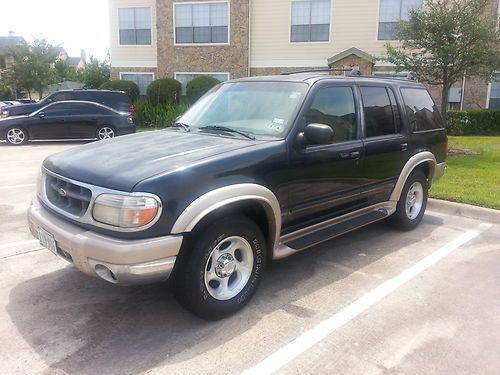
(324, 179)
(385, 142)
(49, 122)
(82, 120)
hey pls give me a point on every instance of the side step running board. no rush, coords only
(336, 230)
(321, 232)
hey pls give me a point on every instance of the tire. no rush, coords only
(16, 136)
(105, 132)
(218, 272)
(414, 194)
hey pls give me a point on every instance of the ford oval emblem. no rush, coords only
(62, 192)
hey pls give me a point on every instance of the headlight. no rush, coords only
(125, 211)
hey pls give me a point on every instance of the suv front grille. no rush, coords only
(71, 198)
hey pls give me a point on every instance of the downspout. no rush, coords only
(462, 97)
(249, 35)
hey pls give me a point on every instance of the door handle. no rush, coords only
(355, 155)
(404, 146)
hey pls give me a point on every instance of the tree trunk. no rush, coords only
(29, 94)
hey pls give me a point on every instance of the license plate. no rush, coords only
(47, 240)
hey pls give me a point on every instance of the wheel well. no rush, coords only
(252, 209)
(425, 167)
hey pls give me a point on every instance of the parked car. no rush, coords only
(26, 101)
(9, 103)
(117, 100)
(258, 169)
(67, 120)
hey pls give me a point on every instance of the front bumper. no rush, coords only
(115, 260)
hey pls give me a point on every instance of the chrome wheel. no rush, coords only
(228, 268)
(414, 200)
(16, 136)
(106, 133)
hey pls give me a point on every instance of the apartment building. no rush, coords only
(237, 38)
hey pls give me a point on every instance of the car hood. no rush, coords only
(123, 162)
(22, 109)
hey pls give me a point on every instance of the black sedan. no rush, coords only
(67, 120)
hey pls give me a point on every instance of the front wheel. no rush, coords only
(105, 132)
(412, 202)
(16, 136)
(220, 272)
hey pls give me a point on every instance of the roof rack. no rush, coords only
(352, 72)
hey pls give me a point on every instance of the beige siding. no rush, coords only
(353, 24)
(131, 56)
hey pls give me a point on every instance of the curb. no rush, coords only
(466, 210)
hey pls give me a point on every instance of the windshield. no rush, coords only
(259, 108)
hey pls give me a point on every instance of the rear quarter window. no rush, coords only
(422, 112)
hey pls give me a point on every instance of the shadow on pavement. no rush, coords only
(83, 325)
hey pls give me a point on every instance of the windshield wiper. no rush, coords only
(226, 129)
(181, 125)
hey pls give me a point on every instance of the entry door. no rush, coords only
(325, 180)
(385, 142)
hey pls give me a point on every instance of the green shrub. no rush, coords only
(5, 92)
(198, 86)
(164, 91)
(473, 122)
(129, 87)
(163, 115)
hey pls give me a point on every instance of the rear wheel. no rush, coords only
(16, 136)
(412, 203)
(105, 132)
(219, 271)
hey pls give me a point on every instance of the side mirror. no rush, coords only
(41, 115)
(318, 134)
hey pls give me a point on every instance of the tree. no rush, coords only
(446, 39)
(32, 67)
(64, 72)
(95, 73)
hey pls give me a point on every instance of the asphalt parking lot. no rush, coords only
(371, 302)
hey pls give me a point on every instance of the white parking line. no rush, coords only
(313, 336)
(16, 186)
(19, 243)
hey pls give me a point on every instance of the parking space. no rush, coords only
(374, 301)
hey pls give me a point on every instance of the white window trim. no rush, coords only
(153, 26)
(203, 44)
(330, 36)
(204, 74)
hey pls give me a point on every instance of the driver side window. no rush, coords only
(335, 107)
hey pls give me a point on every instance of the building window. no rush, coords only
(184, 78)
(135, 26)
(201, 23)
(143, 80)
(494, 101)
(454, 98)
(391, 13)
(310, 21)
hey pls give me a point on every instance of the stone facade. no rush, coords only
(115, 71)
(232, 58)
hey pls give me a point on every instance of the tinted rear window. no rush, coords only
(116, 100)
(380, 116)
(423, 114)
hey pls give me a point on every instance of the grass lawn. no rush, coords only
(473, 179)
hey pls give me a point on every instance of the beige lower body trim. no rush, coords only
(130, 261)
